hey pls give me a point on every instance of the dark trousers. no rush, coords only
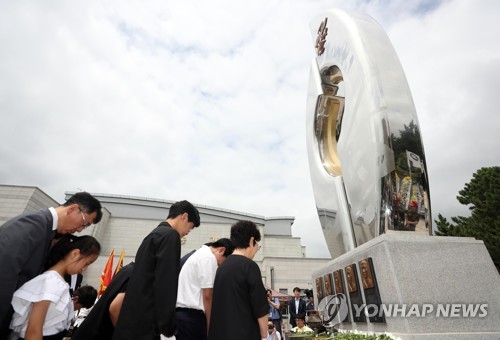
(5, 324)
(57, 336)
(191, 324)
(292, 319)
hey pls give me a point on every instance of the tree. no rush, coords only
(408, 139)
(482, 195)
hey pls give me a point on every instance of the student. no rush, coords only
(301, 327)
(84, 297)
(43, 305)
(240, 309)
(148, 310)
(194, 294)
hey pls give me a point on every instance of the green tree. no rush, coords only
(407, 139)
(482, 195)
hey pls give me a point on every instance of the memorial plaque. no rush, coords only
(320, 293)
(328, 284)
(371, 291)
(354, 292)
(339, 282)
(339, 288)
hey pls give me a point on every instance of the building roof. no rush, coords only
(135, 207)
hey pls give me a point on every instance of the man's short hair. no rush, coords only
(296, 289)
(181, 207)
(300, 317)
(223, 242)
(241, 232)
(86, 296)
(87, 203)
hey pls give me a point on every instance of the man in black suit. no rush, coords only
(25, 241)
(296, 306)
(148, 310)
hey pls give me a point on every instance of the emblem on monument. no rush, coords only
(321, 39)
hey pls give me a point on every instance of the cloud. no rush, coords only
(206, 101)
(452, 69)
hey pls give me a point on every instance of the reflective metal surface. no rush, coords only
(366, 157)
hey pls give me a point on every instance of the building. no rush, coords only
(127, 220)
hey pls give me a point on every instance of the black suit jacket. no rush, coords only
(24, 245)
(291, 310)
(97, 325)
(77, 283)
(149, 305)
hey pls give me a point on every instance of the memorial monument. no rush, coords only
(369, 177)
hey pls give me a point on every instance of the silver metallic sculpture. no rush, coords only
(366, 156)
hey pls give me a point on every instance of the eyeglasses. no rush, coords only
(258, 245)
(85, 222)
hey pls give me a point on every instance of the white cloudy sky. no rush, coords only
(205, 100)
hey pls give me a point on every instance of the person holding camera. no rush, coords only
(272, 333)
(274, 312)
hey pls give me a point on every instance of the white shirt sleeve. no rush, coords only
(48, 286)
(207, 267)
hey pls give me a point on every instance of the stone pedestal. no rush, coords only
(436, 284)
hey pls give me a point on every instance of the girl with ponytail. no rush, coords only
(42, 306)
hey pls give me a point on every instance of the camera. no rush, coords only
(270, 326)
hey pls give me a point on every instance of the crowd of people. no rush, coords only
(215, 292)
